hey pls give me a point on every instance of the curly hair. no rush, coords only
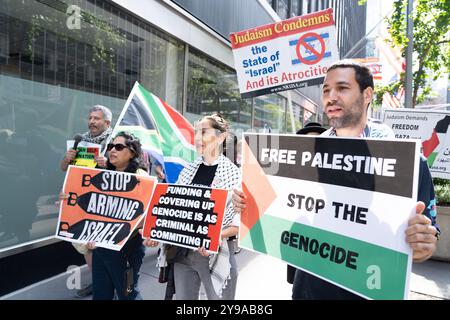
(135, 147)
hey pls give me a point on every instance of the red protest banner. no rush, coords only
(103, 206)
(186, 216)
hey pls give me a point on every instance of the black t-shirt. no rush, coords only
(205, 175)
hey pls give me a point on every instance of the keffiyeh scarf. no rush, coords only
(98, 139)
(228, 177)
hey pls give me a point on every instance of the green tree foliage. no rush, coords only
(431, 47)
(442, 190)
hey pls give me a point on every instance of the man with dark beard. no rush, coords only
(346, 95)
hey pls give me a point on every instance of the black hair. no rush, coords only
(363, 75)
(135, 146)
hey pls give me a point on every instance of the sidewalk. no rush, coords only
(260, 278)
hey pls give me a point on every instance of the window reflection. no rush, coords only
(270, 114)
(50, 75)
(106, 55)
(213, 88)
(297, 113)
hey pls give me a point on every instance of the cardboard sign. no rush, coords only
(285, 55)
(186, 216)
(86, 153)
(336, 208)
(431, 128)
(103, 206)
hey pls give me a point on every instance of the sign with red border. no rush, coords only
(186, 216)
(285, 55)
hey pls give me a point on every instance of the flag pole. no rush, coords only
(122, 113)
(409, 56)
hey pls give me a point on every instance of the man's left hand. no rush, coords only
(421, 235)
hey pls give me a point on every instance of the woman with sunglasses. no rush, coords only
(218, 272)
(109, 266)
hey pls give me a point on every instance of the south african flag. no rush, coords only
(164, 133)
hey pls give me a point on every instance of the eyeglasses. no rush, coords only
(118, 146)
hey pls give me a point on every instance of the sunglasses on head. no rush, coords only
(118, 146)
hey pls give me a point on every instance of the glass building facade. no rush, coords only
(58, 58)
(347, 13)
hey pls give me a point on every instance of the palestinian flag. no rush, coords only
(164, 133)
(430, 146)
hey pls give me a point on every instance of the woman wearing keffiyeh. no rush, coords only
(218, 272)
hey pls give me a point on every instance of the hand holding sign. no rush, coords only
(91, 245)
(147, 241)
(203, 252)
(70, 155)
(101, 161)
(238, 200)
(421, 235)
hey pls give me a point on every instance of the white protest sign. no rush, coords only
(285, 55)
(334, 207)
(431, 128)
(86, 154)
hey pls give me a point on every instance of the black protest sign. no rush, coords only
(110, 181)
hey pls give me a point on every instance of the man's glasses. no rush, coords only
(118, 146)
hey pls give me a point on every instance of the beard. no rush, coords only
(347, 120)
(351, 116)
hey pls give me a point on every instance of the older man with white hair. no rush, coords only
(99, 122)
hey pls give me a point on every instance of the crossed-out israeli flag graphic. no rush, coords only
(307, 54)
